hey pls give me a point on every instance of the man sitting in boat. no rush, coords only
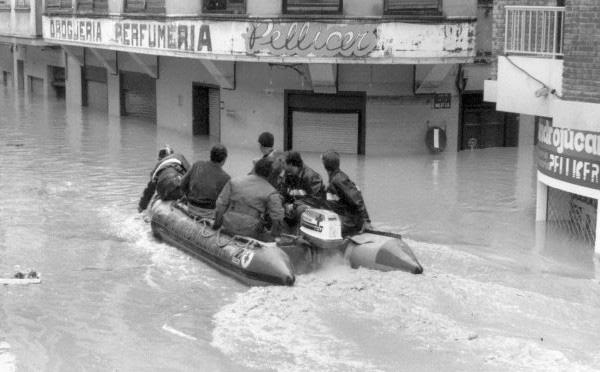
(203, 183)
(266, 141)
(300, 187)
(165, 178)
(246, 203)
(343, 196)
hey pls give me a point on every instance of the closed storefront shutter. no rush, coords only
(320, 131)
(96, 88)
(36, 85)
(214, 112)
(138, 92)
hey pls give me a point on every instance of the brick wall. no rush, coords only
(581, 75)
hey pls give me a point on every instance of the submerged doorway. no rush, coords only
(482, 126)
(206, 111)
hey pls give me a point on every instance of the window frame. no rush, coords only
(412, 11)
(237, 10)
(93, 6)
(285, 8)
(145, 9)
(61, 7)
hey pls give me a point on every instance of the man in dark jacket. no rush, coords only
(343, 197)
(165, 178)
(266, 141)
(300, 186)
(245, 203)
(204, 182)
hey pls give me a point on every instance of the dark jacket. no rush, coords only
(203, 183)
(277, 159)
(165, 179)
(245, 203)
(345, 199)
(307, 183)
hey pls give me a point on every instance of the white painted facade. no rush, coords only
(399, 66)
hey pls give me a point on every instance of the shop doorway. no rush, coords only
(482, 126)
(57, 80)
(95, 88)
(138, 95)
(20, 75)
(318, 122)
(206, 111)
(35, 85)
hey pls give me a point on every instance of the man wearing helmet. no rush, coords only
(165, 178)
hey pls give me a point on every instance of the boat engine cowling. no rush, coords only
(322, 228)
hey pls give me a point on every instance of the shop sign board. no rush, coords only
(231, 40)
(569, 155)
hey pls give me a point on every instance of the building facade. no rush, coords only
(548, 70)
(365, 77)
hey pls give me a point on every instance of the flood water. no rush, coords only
(492, 298)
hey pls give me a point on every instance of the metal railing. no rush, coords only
(531, 30)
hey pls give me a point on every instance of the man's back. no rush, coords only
(252, 192)
(203, 183)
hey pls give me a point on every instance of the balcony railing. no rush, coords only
(534, 30)
(312, 6)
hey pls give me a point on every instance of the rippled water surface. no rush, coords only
(112, 298)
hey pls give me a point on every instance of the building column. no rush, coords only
(73, 82)
(114, 94)
(597, 240)
(541, 202)
(18, 69)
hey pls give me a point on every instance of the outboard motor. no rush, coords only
(322, 228)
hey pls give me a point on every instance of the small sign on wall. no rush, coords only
(442, 101)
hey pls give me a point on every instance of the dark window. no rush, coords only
(59, 4)
(22, 4)
(150, 6)
(224, 6)
(91, 5)
(413, 7)
(312, 6)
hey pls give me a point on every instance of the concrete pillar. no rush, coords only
(114, 94)
(597, 241)
(526, 130)
(541, 202)
(73, 83)
(18, 67)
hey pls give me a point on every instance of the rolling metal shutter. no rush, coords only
(321, 131)
(96, 88)
(214, 113)
(139, 95)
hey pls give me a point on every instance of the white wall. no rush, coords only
(516, 90)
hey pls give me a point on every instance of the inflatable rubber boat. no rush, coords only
(254, 262)
(250, 261)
